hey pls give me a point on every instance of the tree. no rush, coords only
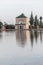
(40, 18)
(36, 21)
(1, 24)
(40, 21)
(31, 19)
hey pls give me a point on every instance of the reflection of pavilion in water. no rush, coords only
(23, 36)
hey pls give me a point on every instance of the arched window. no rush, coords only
(21, 22)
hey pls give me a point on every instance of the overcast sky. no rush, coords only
(9, 9)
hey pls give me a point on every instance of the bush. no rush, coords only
(10, 27)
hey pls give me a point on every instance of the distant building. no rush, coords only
(22, 22)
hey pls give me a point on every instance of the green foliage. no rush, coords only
(41, 24)
(31, 19)
(40, 18)
(10, 27)
(1, 25)
(36, 21)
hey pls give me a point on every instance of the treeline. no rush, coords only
(7, 26)
(35, 22)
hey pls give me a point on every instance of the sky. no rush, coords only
(10, 9)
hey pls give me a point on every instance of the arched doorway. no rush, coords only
(21, 26)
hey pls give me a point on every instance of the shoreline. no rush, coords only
(40, 29)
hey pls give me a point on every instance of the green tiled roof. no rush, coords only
(21, 16)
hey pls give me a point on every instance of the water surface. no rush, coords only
(21, 48)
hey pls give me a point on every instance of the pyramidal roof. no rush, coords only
(21, 16)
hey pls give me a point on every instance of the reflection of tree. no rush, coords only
(31, 38)
(36, 35)
(0, 34)
(21, 37)
(33, 34)
(41, 36)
